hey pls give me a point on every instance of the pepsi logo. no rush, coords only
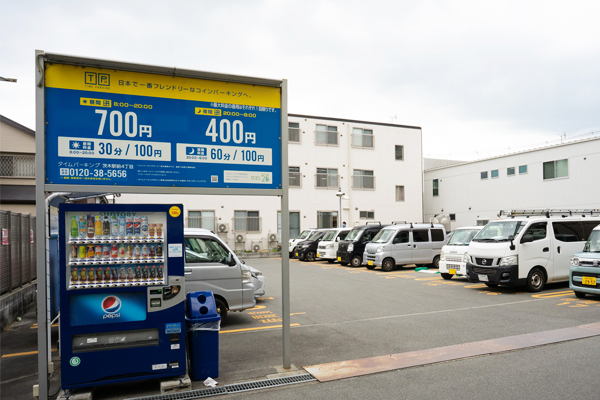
(111, 304)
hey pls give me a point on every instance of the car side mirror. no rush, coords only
(337, 239)
(527, 238)
(512, 245)
(231, 261)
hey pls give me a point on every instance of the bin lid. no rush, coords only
(201, 307)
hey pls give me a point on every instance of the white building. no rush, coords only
(563, 176)
(377, 165)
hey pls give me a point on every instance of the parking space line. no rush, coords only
(553, 294)
(254, 329)
(27, 353)
(428, 279)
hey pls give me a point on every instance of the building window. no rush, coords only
(294, 224)
(494, 173)
(293, 132)
(201, 219)
(327, 135)
(510, 171)
(399, 193)
(436, 187)
(367, 214)
(482, 222)
(556, 169)
(327, 178)
(363, 179)
(399, 153)
(522, 169)
(17, 166)
(484, 175)
(327, 219)
(362, 137)
(295, 177)
(452, 217)
(246, 221)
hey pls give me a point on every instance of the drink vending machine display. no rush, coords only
(122, 293)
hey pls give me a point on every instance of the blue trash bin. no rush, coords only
(203, 323)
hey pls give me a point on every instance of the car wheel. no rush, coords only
(536, 280)
(388, 265)
(343, 263)
(330, 261)
(356, 261)
(492, 285)
(370, 266)
(221, 309)
(436, 262)
(579, 295)
(446, 276)
(310, 256)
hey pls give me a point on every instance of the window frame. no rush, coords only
(436, 187)
(243, 225)
(523, 172)
(401, 146)
(327, 178)
(299, 177)
(202, 218)
(327, 131)
(362, 137)
(492, 174)
(403, 194)
(484, 175)
(361, 175)
(554, 170)
(299, 132)
(514, 171)
(367, 213)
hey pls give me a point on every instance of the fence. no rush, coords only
(17, 251)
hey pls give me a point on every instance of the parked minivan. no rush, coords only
(328, 246)
(530, 247)
(584, 274)
(404, 244)
(211, 265)
(303, 236)
(307, 249)
(352, 248)
(452, 258)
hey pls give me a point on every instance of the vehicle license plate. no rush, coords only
(339, 258)
(296, 254)
(370, 262)
(483, 278)
(453, 272)
(587, 280)
(318, 255)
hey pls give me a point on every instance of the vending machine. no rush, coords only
(121, 293)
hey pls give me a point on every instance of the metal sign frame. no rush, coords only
(43, 187)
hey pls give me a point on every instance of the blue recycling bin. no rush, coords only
(203, 323)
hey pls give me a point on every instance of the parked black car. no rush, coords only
(351, 250)
(307, 250)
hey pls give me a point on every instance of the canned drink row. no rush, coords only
(97, 227)
(114, 251)
(116, 274)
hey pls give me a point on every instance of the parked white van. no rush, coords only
(452, 258)
(529, 247)
(405, 243)
(211, 265)
(328, 246)
(302, 237)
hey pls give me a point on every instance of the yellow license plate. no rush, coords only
(318, 255)
(296, 254)
(452, 271)
(370, 262)
(339, 258)
(587, 280)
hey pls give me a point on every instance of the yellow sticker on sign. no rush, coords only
(174, 211)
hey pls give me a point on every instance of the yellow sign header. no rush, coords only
(98, 80)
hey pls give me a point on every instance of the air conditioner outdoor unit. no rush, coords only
(273, 237)
(256, 247)
(223, 228)
(240, 238)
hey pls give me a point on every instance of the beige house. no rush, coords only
(17, 167)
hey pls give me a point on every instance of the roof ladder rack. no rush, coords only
(548, 212)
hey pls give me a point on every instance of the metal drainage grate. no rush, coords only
(233, 388)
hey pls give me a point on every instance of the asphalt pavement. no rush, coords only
(340, 313)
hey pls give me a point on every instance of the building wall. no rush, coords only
(308, 199)
(462, 191)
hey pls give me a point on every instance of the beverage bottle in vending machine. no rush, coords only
(91, 275)
(106, 251)
(82, 253)
(99, 275)
(145, 273)
(159, 252)
(153, 272)
(136, 226)
(114, 252)
(107, 277)
(122, 274)
(98, 252)
(136, 252)
(98, 226)
(122, 227)
(151, 251)
(106, 227)
(144, 251)
(74, 275)
(138, 273)
(144, 226)
(159, 272)
(74, 227)
(74, 252)
(129, 252)
(130, 274)
(159, 230)
(122, 251)
(129, 229)
(114, 226)
(82, 227)
(82, 275)
(114, 274)
(90, 226)
(91, 251)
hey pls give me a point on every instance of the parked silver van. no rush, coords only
(211, 265)
(405, 243)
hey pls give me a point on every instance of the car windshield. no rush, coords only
(304, 234)
(330, 235)
(499, 231)
(315, 236)
(593, 243)
(354, 234)
(462, 237)
(383, 236)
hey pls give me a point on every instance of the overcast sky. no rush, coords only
(481, 78)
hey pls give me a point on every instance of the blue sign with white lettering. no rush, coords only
(137, 129)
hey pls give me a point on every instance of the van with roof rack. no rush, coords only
(529, 247)
(584, 274)
(405, 243)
